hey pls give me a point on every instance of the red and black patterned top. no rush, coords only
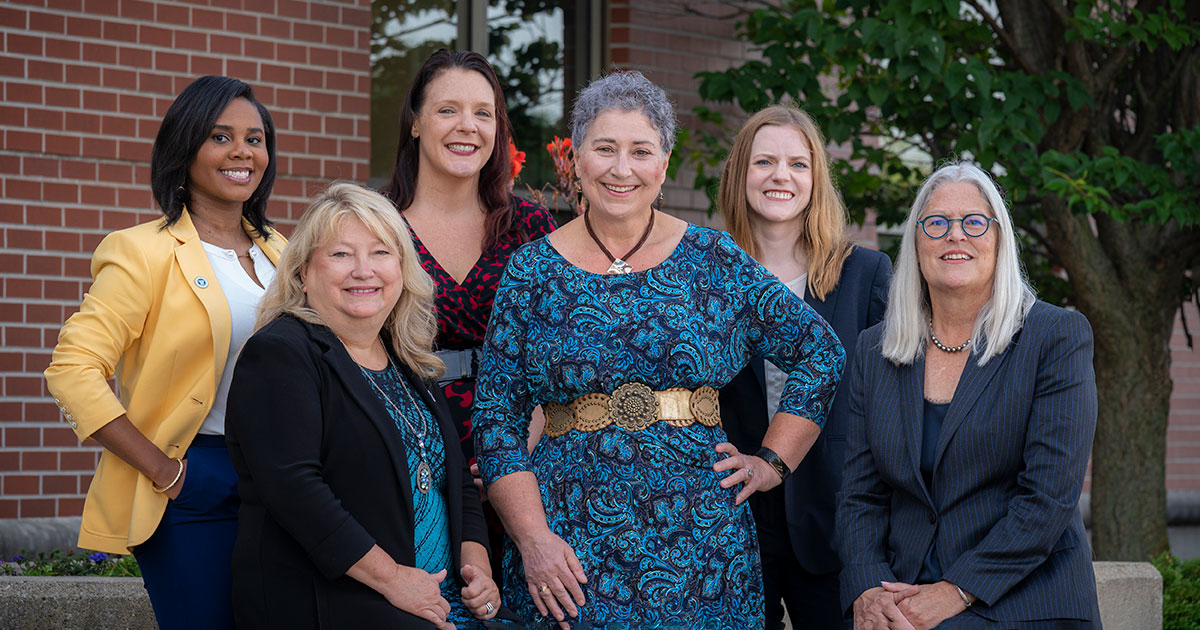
(464, 309)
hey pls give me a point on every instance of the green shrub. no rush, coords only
(1181, 592)
(56, 562)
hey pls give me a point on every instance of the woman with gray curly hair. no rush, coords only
(630, 511)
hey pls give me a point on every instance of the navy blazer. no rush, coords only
(323, 476)
(1003, 506)
(856, 303)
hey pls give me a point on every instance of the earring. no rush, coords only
(659, 204)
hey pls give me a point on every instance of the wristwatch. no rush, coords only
(776, 462)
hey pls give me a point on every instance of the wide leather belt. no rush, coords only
(633, 407)
(460, 364)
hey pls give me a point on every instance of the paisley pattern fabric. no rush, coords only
(661, 543)
(464, 309)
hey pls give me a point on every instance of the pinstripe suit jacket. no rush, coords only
(1003, 506)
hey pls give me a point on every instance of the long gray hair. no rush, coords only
(906, 323)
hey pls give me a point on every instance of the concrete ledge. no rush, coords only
(74, 603)
(1130, 595)
(37, 534)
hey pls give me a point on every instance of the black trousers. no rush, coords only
(811, 600)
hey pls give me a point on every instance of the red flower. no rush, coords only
(516, 159)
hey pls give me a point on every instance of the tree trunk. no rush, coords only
(1133, 378)
(1130, 300)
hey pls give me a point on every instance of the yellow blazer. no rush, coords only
(155, 318)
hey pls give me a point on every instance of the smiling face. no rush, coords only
(621, 164)
(456, 126)
(353, 280)
(230, 164)
(779, 177)
(957, 261)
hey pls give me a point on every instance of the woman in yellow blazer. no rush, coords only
(171, 303)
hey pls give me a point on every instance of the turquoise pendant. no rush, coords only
(424, 477)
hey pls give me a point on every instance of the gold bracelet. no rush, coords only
(173, 481)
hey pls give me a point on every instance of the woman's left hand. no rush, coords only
(481, 595)
(930, 606)
(753, 472)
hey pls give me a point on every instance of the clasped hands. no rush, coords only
(900, 606)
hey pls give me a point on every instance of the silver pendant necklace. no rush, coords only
(424, 471)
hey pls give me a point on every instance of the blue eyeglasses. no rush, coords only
(937, 226)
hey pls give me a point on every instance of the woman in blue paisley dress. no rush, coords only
(630, 511)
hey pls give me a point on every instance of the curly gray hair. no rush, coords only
(628, 91)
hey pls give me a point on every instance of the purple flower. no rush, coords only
(99, 556)
(18, 558)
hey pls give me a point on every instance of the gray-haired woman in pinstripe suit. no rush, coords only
(972, 409)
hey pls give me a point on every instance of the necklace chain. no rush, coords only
(619, 266)
(944, 348)
(424, 471)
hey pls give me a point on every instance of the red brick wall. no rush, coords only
(85, 84)
(1183, 428)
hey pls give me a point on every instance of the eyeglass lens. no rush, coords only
(937, 226)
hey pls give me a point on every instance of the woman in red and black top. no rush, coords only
(451, 183)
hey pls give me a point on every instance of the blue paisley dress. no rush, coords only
(662, 544)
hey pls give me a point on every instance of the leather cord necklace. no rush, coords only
(943, 347)
(619, 266)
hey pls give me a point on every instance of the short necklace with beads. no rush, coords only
(424, 471)
(944, 348)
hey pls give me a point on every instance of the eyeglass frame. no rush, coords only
(949, 222)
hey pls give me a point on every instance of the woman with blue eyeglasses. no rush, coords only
(972, 409)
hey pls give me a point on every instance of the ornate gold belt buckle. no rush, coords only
(633, 406)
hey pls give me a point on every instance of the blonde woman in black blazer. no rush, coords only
(972, 410)
(357, 507)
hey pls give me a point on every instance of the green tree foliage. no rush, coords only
(1088, 114)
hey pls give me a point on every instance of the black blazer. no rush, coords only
(323, 476)
(1003, 506)
(856, 303)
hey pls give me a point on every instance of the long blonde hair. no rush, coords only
(823, 240)
(412, 323)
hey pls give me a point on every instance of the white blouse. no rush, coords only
(243, 295)
(777, 378)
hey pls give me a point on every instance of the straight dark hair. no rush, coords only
(185, 128)
(493, 179)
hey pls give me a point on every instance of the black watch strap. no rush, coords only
(776, 462)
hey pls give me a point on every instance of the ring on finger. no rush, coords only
(544, 589)
(488, 607)
(750, 473)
